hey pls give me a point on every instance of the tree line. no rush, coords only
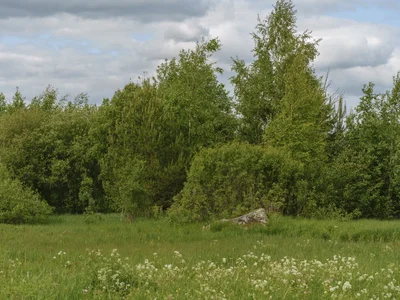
(178, 142)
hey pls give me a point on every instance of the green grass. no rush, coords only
(216, 260)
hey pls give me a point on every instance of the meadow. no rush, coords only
(78, 257)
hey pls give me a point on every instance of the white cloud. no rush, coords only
(187, 32)
(347, 43)
(356, 53)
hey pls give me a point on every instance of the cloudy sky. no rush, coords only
(98, 46)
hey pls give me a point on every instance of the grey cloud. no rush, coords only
(312, 7)
(341, 53)
(159, 50)
(70, 70)
(350, 81)
(355, 53)
(141, 10)
(318, 7)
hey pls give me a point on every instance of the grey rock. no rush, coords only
(258, 216)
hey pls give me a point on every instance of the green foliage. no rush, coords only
(47, 147)
(305, 155)
(285, 105)
(232, 179)
(19, 205)
(335, 142)
(197, 106)
(366, 172)
(154, 128)
(197, 112)
(261, 86)
(18, 102)
(3, 104)
(128, 189)
(302, 124)
(334, 213)
(132, 161)
(48, 100)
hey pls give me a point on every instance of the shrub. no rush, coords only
(234, 179)
(20, 205)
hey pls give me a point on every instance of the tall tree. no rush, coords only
(260, 87)
(195, 102)
(283, 103)
(197, 109)
(131, 166)
(159, 124)
(302, 124)
(302, 127)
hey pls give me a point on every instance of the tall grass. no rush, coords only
(60, 260)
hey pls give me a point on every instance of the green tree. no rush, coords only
(261, 86)
(302, 124)
(367, 172)
(48, 149)
(131, 166)
(302, 127)
(196, 104)
(197, 110)
(284, 104)
(18, 102)
(156, 126)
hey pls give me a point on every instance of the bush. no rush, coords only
(19, 205)
(234, 179)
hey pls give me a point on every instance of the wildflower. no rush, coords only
(332, 289)
(177, 254)
(346, 286)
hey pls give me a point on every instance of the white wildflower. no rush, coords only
(346, 286)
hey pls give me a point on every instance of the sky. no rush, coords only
(98, 46)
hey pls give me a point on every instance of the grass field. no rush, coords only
(70, 258)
